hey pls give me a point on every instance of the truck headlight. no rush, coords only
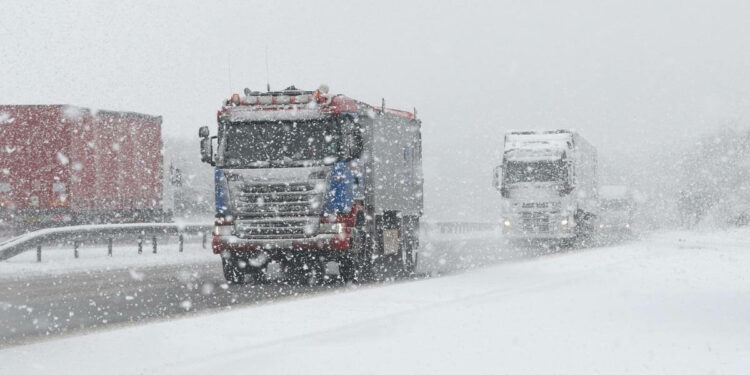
(506, 222)
(335, 228)
(223, 230)
(564, 222)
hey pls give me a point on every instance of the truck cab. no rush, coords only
(303, 178)
(617, 210)
(547, 182)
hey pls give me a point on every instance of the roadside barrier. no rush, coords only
(138, 232)
(77, 234)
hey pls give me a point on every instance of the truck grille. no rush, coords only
(278, 210)
(535, 221)
(277, 228)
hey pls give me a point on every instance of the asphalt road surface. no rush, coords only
(51, 306)
(39, 308)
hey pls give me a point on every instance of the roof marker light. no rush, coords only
(320, 92)
(235, 99)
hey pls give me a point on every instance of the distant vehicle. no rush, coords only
(64, 165)
(305, 178)
(548, 184)
(617, 208)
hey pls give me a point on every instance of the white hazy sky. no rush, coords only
(628, 75)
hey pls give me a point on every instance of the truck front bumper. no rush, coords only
(514, 228)
(520, 235)
(337, 242)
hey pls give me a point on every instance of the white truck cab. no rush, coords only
(548, 184)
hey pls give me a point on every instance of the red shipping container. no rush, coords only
(63, 165)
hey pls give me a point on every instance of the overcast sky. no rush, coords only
(628, 75)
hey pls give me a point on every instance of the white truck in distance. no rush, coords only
(617, 206)
(548, 184)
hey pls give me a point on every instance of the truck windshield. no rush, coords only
(281, 143)
(534, 171)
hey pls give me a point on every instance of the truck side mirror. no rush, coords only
(497, 177)
(497, 181)
(207, 149)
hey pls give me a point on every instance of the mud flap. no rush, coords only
(388, 233)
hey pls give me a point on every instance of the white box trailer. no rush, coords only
(548, 184)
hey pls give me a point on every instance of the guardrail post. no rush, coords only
(204, 239)
(109, 247)
(182, 241)
(75, 249)
(153, 241)
(39, 253)
(140, 244)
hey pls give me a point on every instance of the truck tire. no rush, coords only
(409, 245)
(232, 273)
(584, 228)
(235, 274)
(358, 267)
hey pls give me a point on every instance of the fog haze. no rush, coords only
(635, 78)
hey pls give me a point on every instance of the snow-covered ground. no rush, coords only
(670, 303)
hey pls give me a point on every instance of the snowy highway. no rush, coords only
(673, 302)
(63, 295)
(495, 188)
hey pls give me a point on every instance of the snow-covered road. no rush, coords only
(670, 303)
(63, 295)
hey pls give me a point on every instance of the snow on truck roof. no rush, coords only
(294, 104)
(536, 145)
(73, 112)
(536, 136)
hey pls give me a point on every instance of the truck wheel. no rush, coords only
(232, 273)
(241, 273)
(584, 229)
(409, 245)
(357, 268)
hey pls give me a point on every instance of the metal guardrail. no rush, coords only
(80, 233)
(458, 227)
(87, 233)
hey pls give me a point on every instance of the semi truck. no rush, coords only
(548, 186)
(616, 209)
(304, 179)
(66, 165)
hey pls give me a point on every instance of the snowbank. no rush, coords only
(672, 303)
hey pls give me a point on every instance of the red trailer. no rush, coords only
(64, 165)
